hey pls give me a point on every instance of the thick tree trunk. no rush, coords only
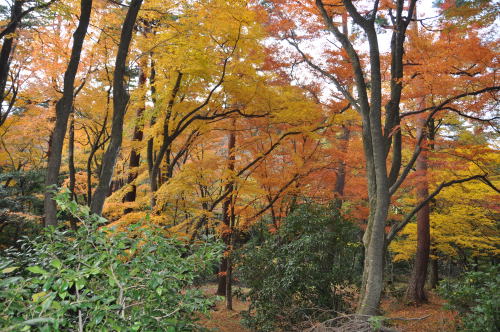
(229, 284)
(63, 109)
(120, 102)
(415, 292)
(221, 285)
(434, 274)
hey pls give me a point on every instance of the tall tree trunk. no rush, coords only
(227, 216)
(150, 147)
(344, 140)
(5, 53)
(341, 172)
(415, 292)
(120, 102)
(135, 156)
(63, 109)
(232, 238)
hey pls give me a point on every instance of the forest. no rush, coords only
(249, 165)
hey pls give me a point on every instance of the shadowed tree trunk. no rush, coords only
(135, 156)
(71, 156)
(434, 273)
(63, 109)
(5, 53)
(120, 102)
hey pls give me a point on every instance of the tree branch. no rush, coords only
(398, 227)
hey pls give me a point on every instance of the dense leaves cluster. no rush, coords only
(475, 295)
(94, 280)
(20, 205)
(303, 271)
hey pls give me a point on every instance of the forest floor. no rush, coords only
(437, 319)
(221, 319)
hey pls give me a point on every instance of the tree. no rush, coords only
(120, 102)
(63, 110)
(382, 134)
(8, 35)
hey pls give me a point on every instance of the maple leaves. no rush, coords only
(201, 72)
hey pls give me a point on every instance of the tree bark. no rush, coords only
(71, 156)
(120, 102)
(415, 292)
(434, 274)
(63, 109)
(5, 53)
(135, 156)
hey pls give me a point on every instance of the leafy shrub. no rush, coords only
(302, 272)
(21, 191)
(97, 280)
(21, 204)
(476, 295)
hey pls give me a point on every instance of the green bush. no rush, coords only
(302, 272)
(99, 280)
(21, 205)
(476, 296)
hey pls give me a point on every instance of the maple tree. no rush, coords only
(382, 133)
(209, 117)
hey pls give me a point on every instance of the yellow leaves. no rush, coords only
(464, 216)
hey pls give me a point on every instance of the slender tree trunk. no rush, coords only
(341, 172)
(120, 102)
(229, 282)
(71, 166)
(227, 218)
(150, 147)
(63, 109)
(135, 156)
(232, 240)
(71, 156)
(5, 53)
(344, 140)
(155, 171)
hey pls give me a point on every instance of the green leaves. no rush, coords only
(56, 263)
(92, 272)
(36, 269)
(297, 268)
(475, 296)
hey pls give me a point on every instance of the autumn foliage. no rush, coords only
(214, 118)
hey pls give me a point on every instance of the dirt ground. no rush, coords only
(437, 319)
(429, 317)
(221, 319)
